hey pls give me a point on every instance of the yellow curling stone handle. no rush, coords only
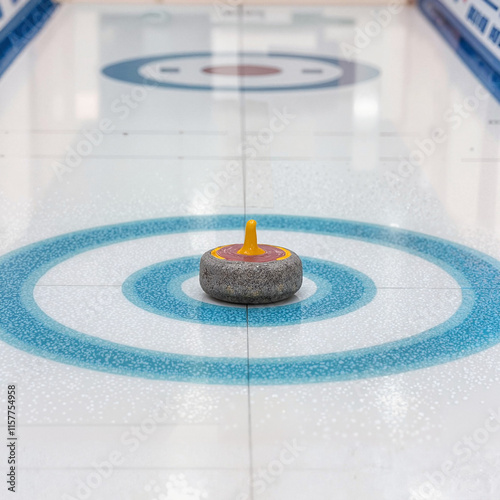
(250, 246)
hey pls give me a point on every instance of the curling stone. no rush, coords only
(250, 274)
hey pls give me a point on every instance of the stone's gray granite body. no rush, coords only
(250, 282)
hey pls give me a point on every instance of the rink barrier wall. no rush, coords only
(20, 22)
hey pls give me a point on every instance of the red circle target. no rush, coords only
(242, 70)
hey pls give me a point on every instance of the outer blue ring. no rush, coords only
(157, 289)
(352, 72)
(473, 328)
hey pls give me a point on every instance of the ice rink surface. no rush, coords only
(133, 136)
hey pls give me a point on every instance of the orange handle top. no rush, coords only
(250, 246)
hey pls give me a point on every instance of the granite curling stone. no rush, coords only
(250, 274)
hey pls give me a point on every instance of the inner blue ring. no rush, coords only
(473, 328)
(157, 289)
(352, 72)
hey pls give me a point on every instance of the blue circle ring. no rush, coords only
(158, 289)
(352, 72)
(473, 328)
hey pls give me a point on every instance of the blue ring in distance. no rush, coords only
(157, 289)
(351, 72)
(473, 328)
